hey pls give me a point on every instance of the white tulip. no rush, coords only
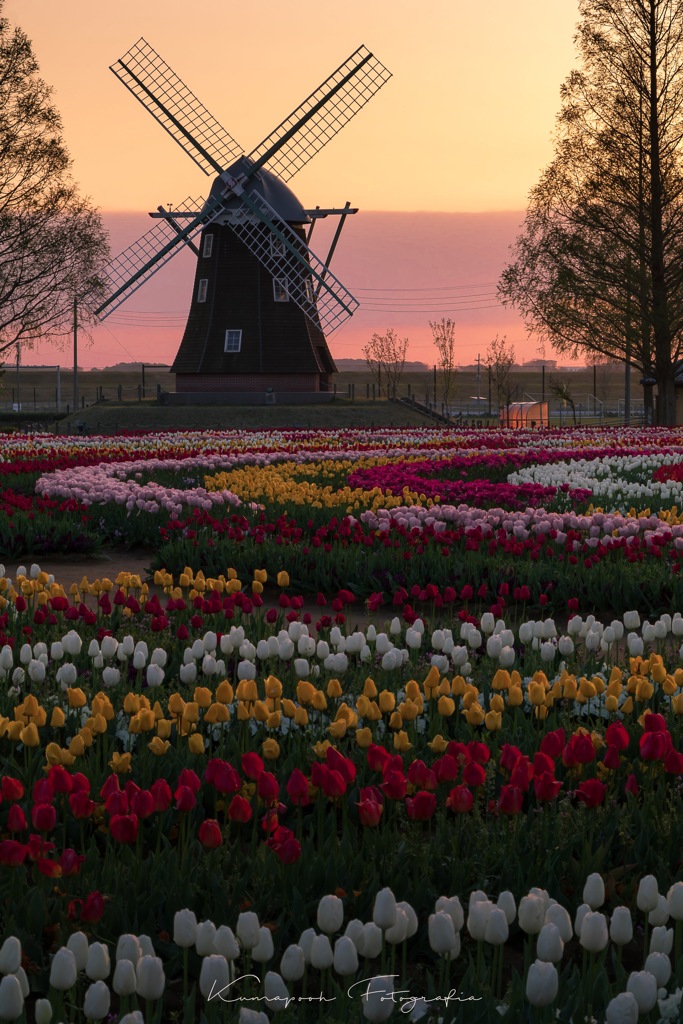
(263, 950)
(322, 956)
(43, 1011)
(660, 914)
(275, 991)
(151, 979)
(659, 965)
(293, 963)
(399, 931)
(97, 965)
(623, 1009)
(11, 998)
(185, 928)
(248, 929)
(10, 955)
(225, 943)
(594, 891)
(557, 915)
(497, 930)
(78, 944)
(377, 999)
(621, 926)
(97, 1001)
(124, 981)
(354, 930)
(384, 909)
(594, 934)
(643, 986)
(442, 932)
(647, 898)
(549, 945)
(541, 983)
(674, 898)
(63, 971)
(662, 940)
(330, 914)
(371, 945)
(411, 919)
(206, 933)
(345, 960)
(306, 943)
(531, 914)
(215, 976)
(452, 906)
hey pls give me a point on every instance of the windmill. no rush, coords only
(262, 301)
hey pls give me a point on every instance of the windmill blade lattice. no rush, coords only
(318, 119)
(308, 281)
(136, 264)
(176, 108)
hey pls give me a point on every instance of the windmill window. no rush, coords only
(208, 245)
(277, 248)
(233, 341)
(202, 289)
(281, 289)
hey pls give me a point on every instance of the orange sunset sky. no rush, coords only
(440, 161)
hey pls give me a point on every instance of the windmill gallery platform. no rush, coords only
(263, 303)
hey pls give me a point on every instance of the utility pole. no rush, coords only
(542, 382)
(595, 388)
(478, 380)
(435, 385)
(75, 354)
(18, 404)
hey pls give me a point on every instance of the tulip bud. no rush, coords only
(371, 945)
(594, 891)
(659, 965)
(452, 906)
(128, 948)
(541, 983)
(497, 930)
(662, 940)
(557, 915)
(63, 971)
(674, 898)
(10, 955)
(146, 945)
(384, 909)
(647, 897)
(135, 1017)
(97, 1000)
(97, 965)
(263, 950)
(477, 918)
(78, 944)
(306, 942)
(643, 986)
(531, 914)
(345, 956)
(11, 998)
(330, 914)
(322, 956)
(276, 995)
(206, 933)
(151, 979)
(549, 945)
(506, 902)
(248, 929)
(399, 931)
(215, 975)
(43, 1011)
(411, 918)
(442, 932)
(594, 935)
(660, 914)
(621, 926)
(578, 919)
(20, 975)
(377, 999)
(623, 1009)
(124, 981)
(293, 963)
(225, 943)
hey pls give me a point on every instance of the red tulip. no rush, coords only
(421, 807)
(267, 786)
(509, 756)
(377, 757)
(446, 768)
(42, 792)
(161, 791)
(239, 809)
(210, 834)
(297, 788)
(333, 784)
(12, 853)
(553, 743)
(81, 783)
(16, 819)
(285, 845)
(394, 786)
(654, 723)
(93, 908)
(460, 799)
(616, 735)
(190, 779)
(117, 803)
(511, 800)
(654, 746)
(12, 789)
(60, 779)
(43, 817)
(70, 862)
(591, 792)
(473, 774)
(222, 776)
(252, 765)
(343, 765)
(49, 868)
(420, 776)
(546, 787)
(631, 785)
(123, 828)
(142, 804)
(370, 808)
(111, 785)
(611, 759)
(185, 800)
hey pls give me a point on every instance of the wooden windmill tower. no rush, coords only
(262, 302)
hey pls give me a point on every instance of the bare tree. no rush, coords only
(443, 335)
(53, 247)
(500, 358)
(560, 390)
(385, 355)
(598, 268)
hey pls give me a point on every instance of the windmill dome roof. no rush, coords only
(267, 185)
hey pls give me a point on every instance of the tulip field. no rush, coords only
(392, 730)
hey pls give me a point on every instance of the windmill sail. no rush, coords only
(176, 108)
(324, 113)
(307, 280)
(130, 269)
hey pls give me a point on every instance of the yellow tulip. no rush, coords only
(283, 579)
(669, 686)
(541, 711)
(319, 700)
(53, 753)
(301, 716)
(387, 701)
(256, 587)
(273, 687)
(611, 703)
(30, 706)
(202, 696)
(101, 705)
(401, 742)
(320, 748)
(261, 575)
(225, 693)
(334, 690)
(587, 688)
(431, 681)
(247, 690)
(120, 763)
(76, 697)
(501, 680)
(158, 746)
(216, 713)
(337, 730)
(439, 745)
(362, 705)
(176, 704)
(77, 746)
(446, 706)
(364, 737)
(458, 686)
(677, 704)
(288, 707)
(493, 721)
(496, 703)
(270, 749)
(409, 710)
(195, 743)
(57, 718)
(370, 690)
(474, 714)
(14, 730)
(644, 690)
(305, 691)
(244, 712)
(29, 735)
(627, 706)
(86, 735)
(536, 693)
(164, 727)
